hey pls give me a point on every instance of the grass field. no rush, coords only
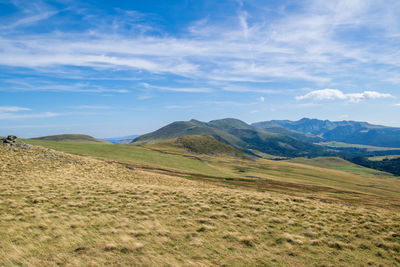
(317, 181)
(337, 164)
(379, 158)
(131, 154)
(346, 145)
(58, 209)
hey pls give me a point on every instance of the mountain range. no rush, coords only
(352, 132)
(282, 138)
(237, 134)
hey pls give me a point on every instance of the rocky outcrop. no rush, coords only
(12, 142)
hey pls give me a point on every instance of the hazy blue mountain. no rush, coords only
(343, 131)
(121, 140)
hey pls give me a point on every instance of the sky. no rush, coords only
(116, 68)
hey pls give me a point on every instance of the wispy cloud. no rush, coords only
(177, 107)
(229, 103)
(52, 86)
(28, 20)
(335, 94)
(31, 12)
(13, 109)
(91, 107)
(178, 89)
(9, 116)
(248, 88)
(310, 45)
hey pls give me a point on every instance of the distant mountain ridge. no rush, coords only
(121, 140)
(70, 138)
(353, 132)
(237, 134)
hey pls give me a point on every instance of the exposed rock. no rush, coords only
(11, 140)
(24, 145)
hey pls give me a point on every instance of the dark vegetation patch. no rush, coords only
(387, 165)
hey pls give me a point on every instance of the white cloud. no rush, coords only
(28, 20)
(243, 89)
(91, 107)
(261, 98)
(335, 94)
(177, 107)
(308, 44)
(367, 95)
(325, 94)
(7, 116)
(178, 89)
(13, 109)
(39, 85)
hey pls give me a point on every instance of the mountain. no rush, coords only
(237, 134)
(276, 128)
(193, 127)
(121, 140)
(353, 132)
(70, 138)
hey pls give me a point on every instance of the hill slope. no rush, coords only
(119, 216)
(236, 133)
(70, 138)
(203, 144)
(276, 128)
(343, 131)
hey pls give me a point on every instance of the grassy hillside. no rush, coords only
(336, 163)
(391, 165)
(275, 128)
(184, 128)
(260, 174)
(70, 138)
(69, 210)
(264, 141)
(136, 155)
(348, 145)
(380, 158)
(203, 144)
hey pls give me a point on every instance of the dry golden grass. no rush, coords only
(60, 209)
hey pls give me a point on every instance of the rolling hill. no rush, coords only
(133, 206)
(352, 132)
(237, 134)
(70, 138)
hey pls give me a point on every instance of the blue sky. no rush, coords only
(115, 68)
